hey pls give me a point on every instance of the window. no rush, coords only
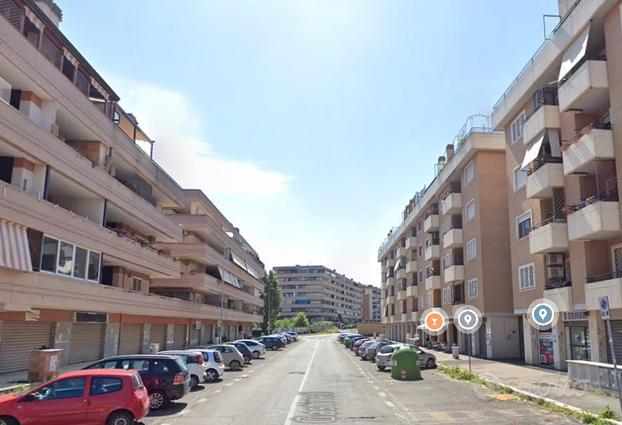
(65, 259)
(66, 388)
(523, 225)
(473, 288)
(49, 251)
(94, 263)
(101, 386)
(526, 277)
(520, 178)
(471, 249)
(516, 128)
(470, 210)
(79, 268)
(137, 284)
(469, 173)
(446, 295)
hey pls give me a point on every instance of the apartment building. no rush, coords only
(452, 248)
(321, 293)
(101, 251)
(371, 304)
(563, 166)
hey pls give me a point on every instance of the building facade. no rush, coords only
(371, 304)
(321, 293)
(101, 251)
(564, 159)
(452, 248)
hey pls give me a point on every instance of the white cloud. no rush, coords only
(181, 147)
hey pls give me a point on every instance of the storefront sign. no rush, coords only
(570, 316)
(32, 315)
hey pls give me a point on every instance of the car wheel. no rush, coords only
(273, 347)
(4, 420)
(157, 400)
(430, 364)
(247, 359)
(234, 365)
(211, 375)
(256, 354)
(120, 418)
(194, 382)
(381, 367)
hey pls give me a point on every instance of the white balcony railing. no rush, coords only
(452, 204)
(595, 144)
(453, 238)
(587, 89)
(600, 220)
(551, 237)
(547, 116)
(541, 182)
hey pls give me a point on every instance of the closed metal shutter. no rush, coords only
(130, 339)
(180, 337)
(616, 330)
(87, 340)
(18, 339)
(158, 335)
(194, 337)
(206, 335)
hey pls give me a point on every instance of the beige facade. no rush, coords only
(452, 249)
(321, 293)
(563, 163)
(371, 304)
(100, 247)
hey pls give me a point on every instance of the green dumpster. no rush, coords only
(405, 365)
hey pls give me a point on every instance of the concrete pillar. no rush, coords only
(559, 346)
(598, 338)
(170, 336)
(111, 339)
(530, 342)
(62, 338)
(146, 340)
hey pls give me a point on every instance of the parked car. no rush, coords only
(243, 349)
(359, 351)
(113, 397)
(283, 338)
(194, 363)
(384, 358)
(356, 342)
(287, 336)
(231, 357)
(214, 367)
(256, 347)
(348, 339)
(373, 349)
(426, 359)
(165, 377)
(294, 335)
(271, 342)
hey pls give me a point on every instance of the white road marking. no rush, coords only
(390, 404)
(201, 400)
(229, 384)
(292, 409)
(237, 379)
(381, 394)
(217, 391)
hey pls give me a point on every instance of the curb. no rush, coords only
(11, 388)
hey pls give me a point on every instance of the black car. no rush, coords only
(165, 377)
(271, 342)
(243, 348)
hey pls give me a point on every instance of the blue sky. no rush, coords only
(310, 123)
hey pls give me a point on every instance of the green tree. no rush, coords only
(340, 318)
(300, 320)
(272, 301)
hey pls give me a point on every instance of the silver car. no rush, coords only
(384, 359)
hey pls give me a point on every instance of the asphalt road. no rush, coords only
(316, 380)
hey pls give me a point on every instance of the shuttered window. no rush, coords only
(18, 339)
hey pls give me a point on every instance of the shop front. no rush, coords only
(577, 335)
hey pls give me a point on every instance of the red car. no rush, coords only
(85, 397)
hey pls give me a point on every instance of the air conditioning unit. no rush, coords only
(555, 272)
(554, 259)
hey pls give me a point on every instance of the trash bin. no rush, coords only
(405, 365)
(455, 351)
(44, 364)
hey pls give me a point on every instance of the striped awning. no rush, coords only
(14, 249)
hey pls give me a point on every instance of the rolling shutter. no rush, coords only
(129, 339)
(18, 339)
(86, 342)
(206, 335)
(180, 337)
(158, 335)
(616, 330)
(194, 337)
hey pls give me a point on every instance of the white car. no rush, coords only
(213, 364)
(194, 361)
(256, 347)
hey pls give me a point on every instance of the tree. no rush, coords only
(272, 300)
(340, 318)
(300, 320)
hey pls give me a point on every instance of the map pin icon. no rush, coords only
(467, 319)
(542, 313)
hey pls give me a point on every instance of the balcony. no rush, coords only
(390, 281)
(587, 89)
(452, 204)
(541, 182)
(432, 282)
(550, 237)
(400, 274)
(400, 252)
(610, 286)
(431, 223)
(579, 157)
(391, 299)
(562, 297)
(453, 238)
(401, 295)
(414, 316)
(453, 273)
(432, 252)
(412, 290)
(404, 317)
(411, 267)
(411, 243)
(390, 262)
(547, 116)
(599, 220)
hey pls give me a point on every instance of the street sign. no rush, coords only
(603, 303)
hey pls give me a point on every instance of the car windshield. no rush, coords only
(387, 349)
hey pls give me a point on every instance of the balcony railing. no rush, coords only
(583, 131)
(564, 283)
(610, 196)
(604, 276)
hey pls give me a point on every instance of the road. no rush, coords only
(316, 380)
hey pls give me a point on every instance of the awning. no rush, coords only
(397, 264)
(574, 53)
(554, 142)
(14, 248)
(532, 152)
(253, 272)
(239, 261)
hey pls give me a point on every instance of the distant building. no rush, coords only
(319, 292)
(371, 304)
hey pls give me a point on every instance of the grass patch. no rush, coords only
(16, 389)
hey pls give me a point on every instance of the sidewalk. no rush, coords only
(11, 379)
(544, 383)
